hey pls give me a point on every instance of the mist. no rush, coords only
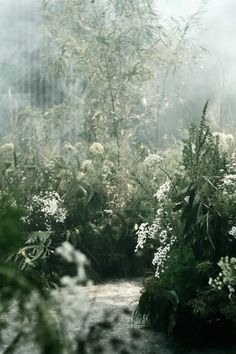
(212, 77)
(23, 46)
(117, 176)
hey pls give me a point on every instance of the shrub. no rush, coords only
(193, 290)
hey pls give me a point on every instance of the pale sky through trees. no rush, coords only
(218, 25)
(218, 29)
(19, 35)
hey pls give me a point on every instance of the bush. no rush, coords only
(192, 293)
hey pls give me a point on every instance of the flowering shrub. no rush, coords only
(160, 229)
(191, 238)
(45, 210)
(227, 275)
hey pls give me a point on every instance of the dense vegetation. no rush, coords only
(92, 188)
(192, 293)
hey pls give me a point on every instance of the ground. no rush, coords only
(116, 300)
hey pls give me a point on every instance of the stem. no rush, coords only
(110, 93)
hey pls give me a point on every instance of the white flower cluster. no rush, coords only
(232, 232)
(153, 231)
(162, 254)
(152, 160)
(96, 149)
(69, 147)
(117, 196)
(160, 230)
(229, 179)
(48, 205)
(228, 182)
(228, 186)
(86, 164)
(8, 147)
(70, 305)
(71, 301)
(143, 233)
(227, 276)
(162, 192)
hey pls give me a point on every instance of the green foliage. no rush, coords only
(86, 172)
(103, 56)
(195, 267)
(158, 305)
(17, 287)
(201, 154)
(38, 315)
(11, 233)
(37, 248)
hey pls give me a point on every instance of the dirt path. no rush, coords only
(119, 299)
(114, 301)
(115, 296)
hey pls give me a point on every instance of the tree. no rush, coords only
(112, 55)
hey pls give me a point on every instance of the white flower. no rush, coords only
(68, 281)
(160, 230)
(162, 253)
(96, 149)
(66, 250)
(80, 176)
(8, 147)
(186, 199)
(71, 304)
(232, 232)
(70, 147)
(152, 161)
(143, 232)
(47, 207)
(227, 276)
(71, 300)
(229, 179)
(86, 164)
(163, 191)
(70, 254)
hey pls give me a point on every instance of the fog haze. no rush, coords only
(213, 77)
